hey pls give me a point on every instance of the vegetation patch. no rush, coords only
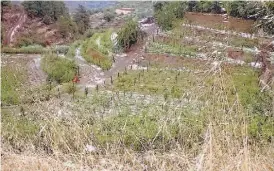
(129, 34)
(178, 50)
(18, 130)
(149, 130)
(168, 83)
(245, 80)
(33, 49)
(98, 49)
(244, 42)
(58, 69)
(13, 76)
(72, 49)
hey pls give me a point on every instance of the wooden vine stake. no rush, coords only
(86, 91)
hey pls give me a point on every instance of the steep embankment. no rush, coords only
(18, 24)
(20, 29)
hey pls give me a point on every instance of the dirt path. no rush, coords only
(36, 74)
(92, 75)
(13, 30)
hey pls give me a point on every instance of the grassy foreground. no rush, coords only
(210, 124)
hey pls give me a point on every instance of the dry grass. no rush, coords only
(225, 143)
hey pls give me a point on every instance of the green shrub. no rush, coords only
(24, 41)
(70, 88)
(61, 49)
(261, 127)
(89, 33)
(31, 39)
(108, 16)
(59, 69)
(129, 34)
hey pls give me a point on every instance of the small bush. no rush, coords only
(31, 39)
(70, 88)
(261, 127)
(89, 33)
(129, 34)
(24, 41)
(109, 16)
(61, 49)
(59, 69)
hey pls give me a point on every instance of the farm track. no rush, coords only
(91, 75)
(13, 30)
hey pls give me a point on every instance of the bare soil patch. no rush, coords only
(217, 21)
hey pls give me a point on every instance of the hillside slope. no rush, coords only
(18, 26)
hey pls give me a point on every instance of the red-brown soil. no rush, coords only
(16, 24)
(217, 21)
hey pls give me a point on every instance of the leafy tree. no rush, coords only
(216, 7)
(158, 6)
(81, 18)
(5, 3)
(265, 16)
(108, 16)
(129, 34)
(167, 12)
(191, 5)
(67, 27)
(165, 19)
(50, 11)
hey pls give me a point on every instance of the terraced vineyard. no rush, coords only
(185, 99)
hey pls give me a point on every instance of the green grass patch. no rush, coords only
(261, 127)
(169, 83)
(98, 49)
(179, 50)
(13, 77)
(245, 80)
(149, 130)
(245, 42)
(35, 49)
(18, 130)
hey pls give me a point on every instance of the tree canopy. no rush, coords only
(129, 34)
(262, 12)
(81, 17)
(50, 11)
